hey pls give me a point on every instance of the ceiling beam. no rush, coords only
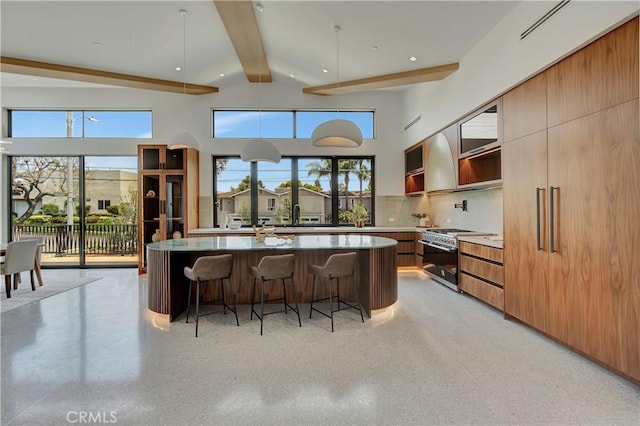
(421, 75)
(65, 72)
(239, 20)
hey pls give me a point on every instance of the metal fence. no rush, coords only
(98, 239)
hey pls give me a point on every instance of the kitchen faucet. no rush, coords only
(295, 219)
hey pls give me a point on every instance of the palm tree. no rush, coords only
(363, 173)
(320, 168)
(345, 167)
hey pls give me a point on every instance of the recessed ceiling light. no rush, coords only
(374, 48)
(292, 76)
(413, 59)
(324, 70)
(34, 79)
(259, 7)
(221, 74)
(178, 68)
(97, 44)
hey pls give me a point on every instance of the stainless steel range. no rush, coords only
(440, 254)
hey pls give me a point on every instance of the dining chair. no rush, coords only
(20, 256)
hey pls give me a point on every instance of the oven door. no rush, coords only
(441, 263)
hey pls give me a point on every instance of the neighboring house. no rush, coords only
(103, 188)
(109, 187)
(274, 207)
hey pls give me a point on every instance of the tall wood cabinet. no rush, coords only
(570, 182)
(167, 195)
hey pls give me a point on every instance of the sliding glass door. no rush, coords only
(44, 205)
(46, 195)
(111, 211)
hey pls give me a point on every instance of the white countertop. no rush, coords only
(308, 230)
(247, 243)
(489, 240)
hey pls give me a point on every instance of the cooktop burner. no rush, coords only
(446, 230)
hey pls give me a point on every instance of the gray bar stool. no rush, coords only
(270, 268)
(208, 268)
(337, 266)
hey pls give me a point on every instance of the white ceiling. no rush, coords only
(145, 38)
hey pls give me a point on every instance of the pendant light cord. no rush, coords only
(183, 12)
(259, 7)
(337, 28)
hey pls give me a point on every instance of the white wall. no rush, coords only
(501, 60)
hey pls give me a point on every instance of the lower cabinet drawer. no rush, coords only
(484, 291)
(483, 269)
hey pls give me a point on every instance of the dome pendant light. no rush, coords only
(338, 132)
(260, 149)
(184, 139)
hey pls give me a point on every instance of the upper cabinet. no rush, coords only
(159, 157)
(524, 108)
(599, 76)
(414, 169)
(480, 130)
(480, 138)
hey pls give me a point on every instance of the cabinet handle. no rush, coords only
(538, 227)
(552, 221)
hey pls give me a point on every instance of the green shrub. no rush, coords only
(115, 209)
(106, 220)
(50, 209)
(344, 216)
(92, 219)
(58, 219)
(37, 219)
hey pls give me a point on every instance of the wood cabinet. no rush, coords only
(599, 76)
(482, 273)
(167, 195)
(524, 109)
(594, 168)
(480, 138)
(525, 197)
(571, 204)
(414, 167)
(406, 246)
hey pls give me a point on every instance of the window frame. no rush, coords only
(8, 113)
(335, 193)
(294, 120)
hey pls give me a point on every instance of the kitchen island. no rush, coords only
(376, 278)
(406, 236)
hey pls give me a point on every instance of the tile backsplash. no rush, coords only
(484, 210)
(397, 210)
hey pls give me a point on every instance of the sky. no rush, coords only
(236, 124)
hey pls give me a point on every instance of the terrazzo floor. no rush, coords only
(95, 354)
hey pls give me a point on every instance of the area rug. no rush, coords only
(23, 295)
